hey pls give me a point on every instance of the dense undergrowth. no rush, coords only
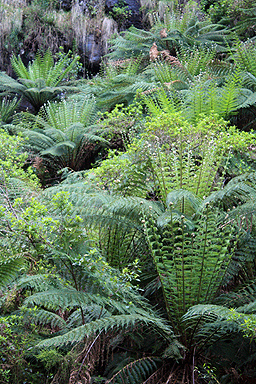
(127, 199)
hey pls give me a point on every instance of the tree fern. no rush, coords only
(43, 67)
(61, 133)
(117, 84)
(182, 29)
(41, 81)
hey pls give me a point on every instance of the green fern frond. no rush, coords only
(38, 282)
(183, 200)
(239, 190)
(188, 263)
(240, 297)
(196, 60)
(43, 317)
(136, 372)
(90, 313)
(218, 321)
(9, 266)
(106, 324)
(245, 57)
(229, 94)
(7, 109)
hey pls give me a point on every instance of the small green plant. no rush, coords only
(120, 12)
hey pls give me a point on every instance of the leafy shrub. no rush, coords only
(13, 159)
(14, 362)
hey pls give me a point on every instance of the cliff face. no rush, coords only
(82, 26)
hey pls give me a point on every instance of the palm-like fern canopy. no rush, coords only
(42, 81)
(65, 132)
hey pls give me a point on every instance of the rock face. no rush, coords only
(87, 23)
(65, 4)
(95, 21)
(93, 52)
(94, 43)
(92, 29)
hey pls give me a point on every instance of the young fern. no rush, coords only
(190, 262)
(196, 60)
(182, 167)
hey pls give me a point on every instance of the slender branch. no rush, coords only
(87, 353)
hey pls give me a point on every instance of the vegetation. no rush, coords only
(127, 199)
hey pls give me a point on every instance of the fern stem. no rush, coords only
(181, 158)
(76, 286)
(87, 353)
(183, 269)
(162, 173)
(203, 256)
(201, 171)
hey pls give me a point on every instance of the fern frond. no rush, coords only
(188, 263)
(217, 321)
(239, 190)
(136, 372)
(9, 266)
(43, 317)
(7, 109)
(38, 282)
(106, 324)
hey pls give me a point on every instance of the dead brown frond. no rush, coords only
(163, 33)
(174, 61)
(94, 353)
(119, 63)
(37, 163)
(153, 52)
(157, 377)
